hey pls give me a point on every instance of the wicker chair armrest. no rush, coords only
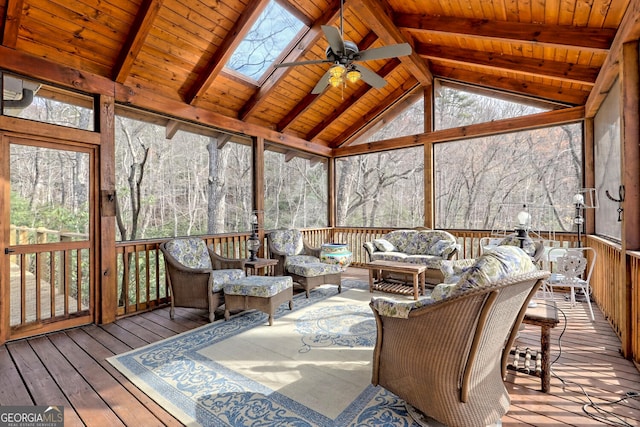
(280, 256)
(311, 250)
(223, 263)
(370, 248)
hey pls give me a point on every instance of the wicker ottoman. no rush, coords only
(310, 275)
(264, 293)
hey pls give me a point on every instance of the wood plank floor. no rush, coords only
(69, 368)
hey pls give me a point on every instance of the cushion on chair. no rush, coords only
(287, 241)
(528, 245)
(300, 259)
(258, 286)
(314, 269)
(222, 277)
(452, 270)
(190, 252)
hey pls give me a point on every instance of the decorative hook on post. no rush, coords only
(619, 200)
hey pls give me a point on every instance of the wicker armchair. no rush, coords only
(197, 275)
(296, 258)
(447, 358)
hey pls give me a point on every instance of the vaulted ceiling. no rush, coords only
(170, 55)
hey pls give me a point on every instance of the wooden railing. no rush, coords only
(145, 285)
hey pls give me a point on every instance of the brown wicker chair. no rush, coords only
(448, 358)
(197, 275)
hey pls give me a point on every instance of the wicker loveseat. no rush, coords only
(424, 247)
(446, 355)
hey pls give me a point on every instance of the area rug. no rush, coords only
(311, 368)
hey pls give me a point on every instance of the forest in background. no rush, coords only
(200, 182)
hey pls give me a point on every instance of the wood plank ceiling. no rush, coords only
(552, 50)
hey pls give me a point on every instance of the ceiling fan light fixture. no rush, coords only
(335, 81)
(353, 76)
(337, 71)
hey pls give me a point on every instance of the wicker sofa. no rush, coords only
(415, 246)
(446, 355)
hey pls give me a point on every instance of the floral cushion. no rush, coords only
(259, 286)
(394, 308)
(384, 245)
(314, 269)
(422, 242)
(528, 245)
(287, 241)
(300, 259)
(453, 269)
(222, 277)
(498, 264)
(190, 252)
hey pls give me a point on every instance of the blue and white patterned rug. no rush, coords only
(311, 368)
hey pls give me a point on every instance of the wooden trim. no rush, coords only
(105, 251)
(517, 124)
(48, 131)
(5, 285)
(588, 168)
(258, 188)
(331, 192)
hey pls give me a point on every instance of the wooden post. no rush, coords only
(104, 206)
(331, 194)
(429, 190)
(258, 188)
(630, 164)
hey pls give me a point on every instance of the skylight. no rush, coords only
(271, 33)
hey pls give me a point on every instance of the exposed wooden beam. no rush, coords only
(224, 51)
(137, 35)
(11, 25)
(596, 39)
(563, 71)
(554, 93)
(394, 97)
(534, 121)
(628, 30)
(378, 16)
(311, 38)
(223, 139)
(172, 127)
(348, 103)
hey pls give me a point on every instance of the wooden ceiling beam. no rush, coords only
(552, 93)
(563, 71)
(584, 38)
(405, 90)
(469, 132)
(138, 33)
(222, 54)
(391, 65)
(311, 38)
(171, 128)
(11, 24)
(378, 16)
(628, 30)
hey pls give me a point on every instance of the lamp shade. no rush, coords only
(524, 219)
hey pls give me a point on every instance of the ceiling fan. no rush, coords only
(344, 53)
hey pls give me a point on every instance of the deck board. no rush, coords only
(70, 368)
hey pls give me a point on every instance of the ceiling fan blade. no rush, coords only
(289, 64)
(383, 52)
(370, 77)
(334, 38)
(322, 83)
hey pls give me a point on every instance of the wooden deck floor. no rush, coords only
(69, 368)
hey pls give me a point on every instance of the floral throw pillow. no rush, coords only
(384, 245)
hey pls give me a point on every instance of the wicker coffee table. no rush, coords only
(376, 282)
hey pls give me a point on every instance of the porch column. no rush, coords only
(630, 165)
(258, 187)
(429, 189)
(106, 282)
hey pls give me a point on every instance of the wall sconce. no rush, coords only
(253, 242)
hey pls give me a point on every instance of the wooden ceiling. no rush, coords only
(169, 55)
